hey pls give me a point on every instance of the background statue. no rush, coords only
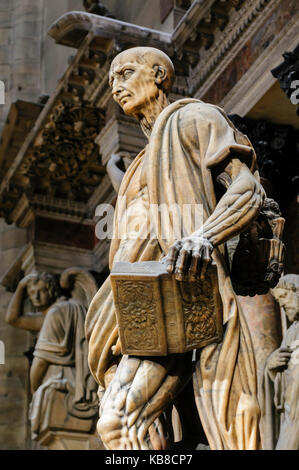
(195, 156)
(60, 354)
(43, 290)
(281, 375)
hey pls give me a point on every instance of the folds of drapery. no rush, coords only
(62, 342)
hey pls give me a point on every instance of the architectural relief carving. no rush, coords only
(64, 163)
(64, 397)
(67, 163)
(281, 375)
(241, 26)
(288, 72)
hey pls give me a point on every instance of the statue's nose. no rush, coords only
(117, 89)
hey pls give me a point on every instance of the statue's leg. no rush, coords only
(140, 391)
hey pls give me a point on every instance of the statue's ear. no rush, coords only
(160, 74)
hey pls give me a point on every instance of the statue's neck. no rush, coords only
(149, 114)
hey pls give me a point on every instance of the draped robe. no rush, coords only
(62, 344)
(189, 139)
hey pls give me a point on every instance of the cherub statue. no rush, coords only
(60, 354)
(281, 375)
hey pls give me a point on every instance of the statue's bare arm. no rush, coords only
(37, 372)
(15, 317)
(115, 173)
(236, 209)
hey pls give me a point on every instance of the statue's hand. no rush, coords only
(279, 359)
(116, 168)
(116, 158)
(190, 257)
(113, 160)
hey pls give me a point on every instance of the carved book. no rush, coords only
(158, 315)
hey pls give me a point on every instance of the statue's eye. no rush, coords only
(127, 73)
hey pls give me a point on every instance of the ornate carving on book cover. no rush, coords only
(158, 315)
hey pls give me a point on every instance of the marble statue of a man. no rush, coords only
(194, 156)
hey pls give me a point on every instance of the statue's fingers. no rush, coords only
(182, 263)
(282, 359)
(194, 265)
(283, 362)
(285, 355)
(171, 258)
(205, 260)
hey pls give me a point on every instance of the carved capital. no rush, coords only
(287, 73)
(120, 134)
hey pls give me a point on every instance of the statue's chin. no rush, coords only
(40, 305)
(127, 109)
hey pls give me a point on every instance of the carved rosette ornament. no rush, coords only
(67, 163)
(140, 323)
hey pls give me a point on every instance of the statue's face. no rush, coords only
(289, 300)
(39, 294)
(133, 84)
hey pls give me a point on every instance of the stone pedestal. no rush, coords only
(61, 431)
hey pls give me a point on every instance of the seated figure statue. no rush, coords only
(60, 353)
(281, 375)
(195, 156)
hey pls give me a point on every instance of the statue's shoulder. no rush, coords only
(59, 306)
(193, 109)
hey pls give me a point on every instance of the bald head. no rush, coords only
(153, 58)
